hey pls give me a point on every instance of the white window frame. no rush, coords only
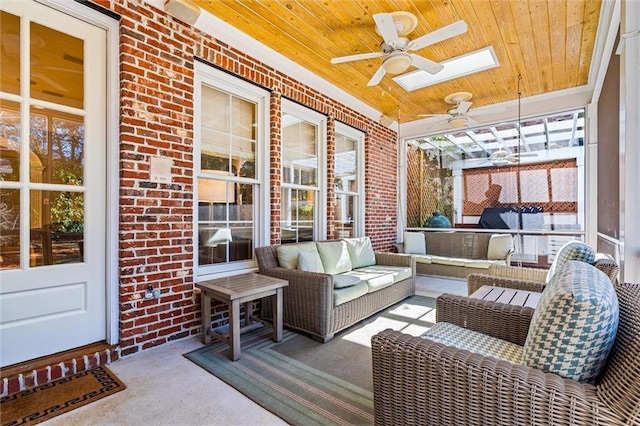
(208, 75)
(320, 202)
(359, 215)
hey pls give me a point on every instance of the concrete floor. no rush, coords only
(164, 388)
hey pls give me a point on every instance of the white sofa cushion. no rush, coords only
(310, 261)
(449, 261)
(360, 251)
(344, 280)
(335, 256)
(500, 245)
(346, 294)
(288, 254)
(415, 243)
(422, 258)
(479, 263)
(380, 276)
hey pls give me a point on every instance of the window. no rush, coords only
(301, 198)
(348, 183)
(231, 140)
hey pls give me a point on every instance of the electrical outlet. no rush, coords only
(152, 293)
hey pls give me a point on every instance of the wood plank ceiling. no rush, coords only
(548, 42)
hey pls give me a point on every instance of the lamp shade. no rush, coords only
(216, 191)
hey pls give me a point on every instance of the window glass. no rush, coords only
(300, 192)
(349, 215)
(227, 186)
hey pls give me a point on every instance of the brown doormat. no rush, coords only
(49, 400)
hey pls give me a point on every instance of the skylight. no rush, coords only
(470, 63)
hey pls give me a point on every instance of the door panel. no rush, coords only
(52, 182)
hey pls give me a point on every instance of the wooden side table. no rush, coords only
(508, 296)
(233, 291)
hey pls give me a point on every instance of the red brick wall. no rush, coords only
(156, 220)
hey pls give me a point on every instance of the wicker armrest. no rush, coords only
(475, 281)
(506, 322)
(529, 274)
(307, 300)
(394, 259)
(417, 381)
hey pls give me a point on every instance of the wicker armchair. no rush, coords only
(530, 279)
(418, 381)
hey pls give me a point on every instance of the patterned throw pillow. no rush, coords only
(573, 250)
(575, 324)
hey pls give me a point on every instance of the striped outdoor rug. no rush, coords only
(308, 383)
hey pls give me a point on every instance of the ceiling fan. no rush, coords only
(502, 157)
(393, 27)
(460, 115)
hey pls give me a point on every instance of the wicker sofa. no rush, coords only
(422, 381)
(319, 303)
(456, 254)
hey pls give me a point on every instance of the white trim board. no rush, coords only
(230, 35)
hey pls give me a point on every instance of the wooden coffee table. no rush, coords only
(233, 291)
(508, 296)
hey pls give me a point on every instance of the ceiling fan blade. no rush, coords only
(463, 107)
(433, 115)
(489, 109)
(471, 122)
(357, 57)
(63, 69)
(51, 82)
(386, 27)
(426, 64)
(377, 76)
(451, 30)
(433, 122)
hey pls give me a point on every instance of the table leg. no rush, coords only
(248, 313)
(234, 330)
(277, 316)
(206, 317)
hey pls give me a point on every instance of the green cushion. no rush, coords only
(335, 256)
(360, 251)
(346, 294)
(573, 250)
(342, 280)
(574, 326)
(288, 254)
(381, 276)
(310, 261)
(500, 245)
(415, 243)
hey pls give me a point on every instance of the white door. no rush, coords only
(52, 182)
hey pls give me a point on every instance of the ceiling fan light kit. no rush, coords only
(458, 122)
(395, 47)
(405, 22)
(397, 63)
